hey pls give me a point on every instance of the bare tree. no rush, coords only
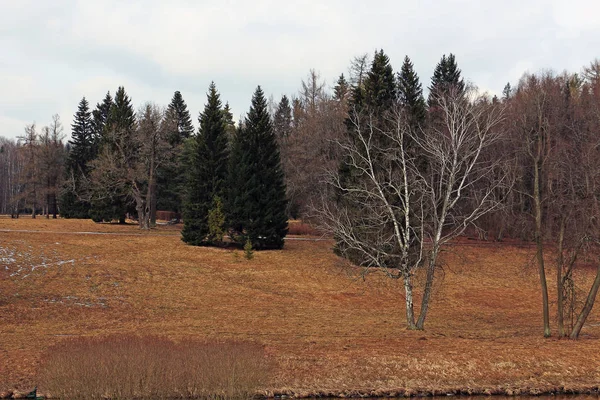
(52, 157)
(30, 177)
(392, 214)
(131, 165)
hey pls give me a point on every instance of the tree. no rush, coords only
(256, 199)
(171, 175)
(393, 216)
(127, 168)
(282, 120)
(111, 201)
(207, 174)
(30, 179)
(100, 117)
(410, 94)
(446, 79)
(51, 164)
(74, 199)
(380, 83)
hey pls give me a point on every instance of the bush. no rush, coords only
(153, 368)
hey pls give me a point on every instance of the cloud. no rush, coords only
(56, 52)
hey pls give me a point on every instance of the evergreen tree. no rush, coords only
(229, 124)
(507, 92)
(207, 174)
(341, 89)
(446, 77)
(380, 84)
(118, 133)
(282, 120)
(177, 110)
(81, 152)
(99, 119)
(410, 93)
(257, 203)
(171, 175)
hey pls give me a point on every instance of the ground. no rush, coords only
(329, 330)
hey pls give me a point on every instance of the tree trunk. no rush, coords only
(587, 308)
(428, 288)
(410, 315)
(540, 245)
(559, 278)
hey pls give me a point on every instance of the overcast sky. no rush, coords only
(54, 52)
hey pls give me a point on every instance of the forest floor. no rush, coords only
(329, 330)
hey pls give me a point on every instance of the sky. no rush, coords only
(54, 52)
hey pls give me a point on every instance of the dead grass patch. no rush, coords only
(132, 367)
(328, 330)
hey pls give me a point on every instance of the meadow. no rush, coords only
(328, 329)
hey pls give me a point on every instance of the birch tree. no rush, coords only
(395, 216)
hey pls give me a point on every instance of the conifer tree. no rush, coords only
(341, 89)
(118, 134)
(380, 85)
(178, 111)
(257, 203)
(81, 153)
(282, 120)
(207, 174)
(446, 77)
(410, 93)
(99, 120)
(171, 175)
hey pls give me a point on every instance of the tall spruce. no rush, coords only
(73, 203)
(257, 202)
(99, 119)
(207, 175)
(380, 84)
(171, 175)
(410, 94)
(341, 89)
(282, 120)
(118, 134)
(446, 77)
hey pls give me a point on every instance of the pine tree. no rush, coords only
(507, 92)
(81, 153)
(257, 203)
(282, 120)
(117, 134)
(410, 93)
(171, 175)
(207, 173)
(446, 77)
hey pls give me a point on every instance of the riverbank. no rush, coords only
(329, 331)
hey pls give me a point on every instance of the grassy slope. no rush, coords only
(329, 329)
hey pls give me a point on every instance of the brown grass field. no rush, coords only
(329, 330)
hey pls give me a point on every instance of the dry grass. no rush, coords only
(131, 367)
(328, 330)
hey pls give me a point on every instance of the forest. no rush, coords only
(393, 172)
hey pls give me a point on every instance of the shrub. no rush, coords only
(153, 368)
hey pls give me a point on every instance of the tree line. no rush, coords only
(393, 175)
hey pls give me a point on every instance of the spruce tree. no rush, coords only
(171, 175)
(256, 201)
(282, 120)
(446, 77)
(341, 89)
(380, 84)
(81, 152)
(207, 174)
(410, 94)
(178, 111)
(99, 119)
(117, 133)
